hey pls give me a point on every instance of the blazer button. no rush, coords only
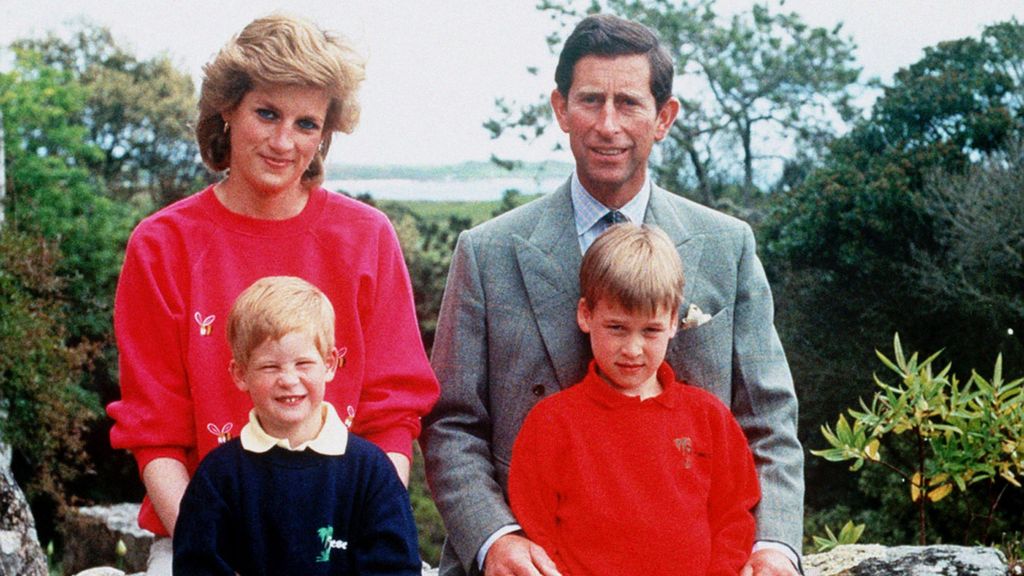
(538, 390)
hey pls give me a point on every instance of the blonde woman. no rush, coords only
(270, 101)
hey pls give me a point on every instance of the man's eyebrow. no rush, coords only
(596, 91)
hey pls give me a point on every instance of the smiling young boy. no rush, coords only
(630, 471)
(296, 493)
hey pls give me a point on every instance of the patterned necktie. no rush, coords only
(614, 217)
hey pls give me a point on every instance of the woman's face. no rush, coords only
(275, 131)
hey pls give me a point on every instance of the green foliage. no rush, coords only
(941, 434)
(962, 92)
(978, 216)
(58, 195)
(849, 534)
(510, 199)
(46, 411)
(427, 245)
(860, 217)
(865, 243)
(429, 526)
(136, 114)
(427, 232)
(1012, 546)
(429, 210)
(51, 194)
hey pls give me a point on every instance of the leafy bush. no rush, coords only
(46, 409)
(939, 435)
(849, 534)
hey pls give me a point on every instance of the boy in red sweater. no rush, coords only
(631, 471)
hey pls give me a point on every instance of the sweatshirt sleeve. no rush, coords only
(734, 493)
(154, 417)
(399, 386)
(533, 482)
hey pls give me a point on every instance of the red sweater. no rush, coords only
(610, 484)
(183, 269)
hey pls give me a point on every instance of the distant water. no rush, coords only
(443, 190)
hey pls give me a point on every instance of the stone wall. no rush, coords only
(20, 553)
(875, 560)
(92, 535)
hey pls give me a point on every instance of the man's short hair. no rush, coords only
(610, 36)
(636, 267)
(275, 306)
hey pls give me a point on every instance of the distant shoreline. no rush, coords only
(438, 190)
(471, 170)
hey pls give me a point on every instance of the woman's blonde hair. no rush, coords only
(275, 306)
(279, 50)
(636, 267)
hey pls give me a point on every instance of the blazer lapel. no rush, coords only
(661, 212)
(549, 259)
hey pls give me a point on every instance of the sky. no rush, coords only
(435, 67)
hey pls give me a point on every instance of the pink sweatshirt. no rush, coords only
(183, 269)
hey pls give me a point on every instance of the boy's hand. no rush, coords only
(767, 562)
(515, 555)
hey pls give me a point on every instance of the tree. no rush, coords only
(52, 195)
(851, 247)
(63, 243)
(978, 217)
(43, 411)
(748, 85)
(860, 221)
(137, 113)
(938, 434)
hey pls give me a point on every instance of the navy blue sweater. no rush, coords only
(287, 513)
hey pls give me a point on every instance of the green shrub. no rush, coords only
(47, 411)
(938, 435)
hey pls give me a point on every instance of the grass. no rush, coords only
(476, 211)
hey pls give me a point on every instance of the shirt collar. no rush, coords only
(588, 211)
(603, 393)
(332, 440)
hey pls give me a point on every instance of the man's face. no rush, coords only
(612, 121)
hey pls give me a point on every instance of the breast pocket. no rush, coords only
(695, 471)
(702, 355)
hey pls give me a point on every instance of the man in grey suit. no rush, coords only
(507, 333)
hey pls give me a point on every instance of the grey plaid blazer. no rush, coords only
(507, 336)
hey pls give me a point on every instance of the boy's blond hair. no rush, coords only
(274, 306)
(636, 267)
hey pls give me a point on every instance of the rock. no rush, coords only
(92, 534)
(101, 571)
(20, 553)
(875, 560)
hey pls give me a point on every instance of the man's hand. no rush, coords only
(768, 562)
(515, 555)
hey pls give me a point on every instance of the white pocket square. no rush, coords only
(694, 317)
